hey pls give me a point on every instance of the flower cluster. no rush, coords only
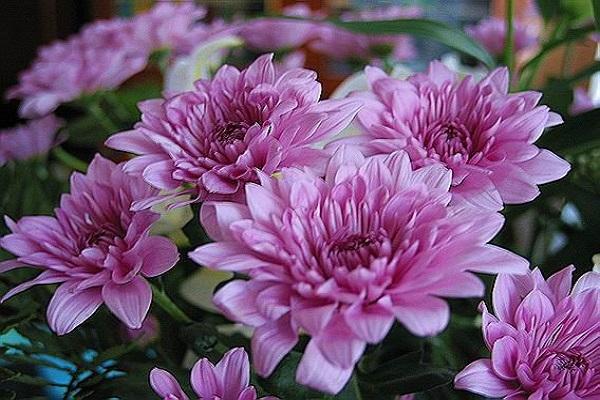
(96, 248)
(477, 129)
(342, 258)
(104, 55)
(228, 380)
(544, 339)
(218, 135)
(26, 141)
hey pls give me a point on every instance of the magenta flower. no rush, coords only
(26, 141)
(217, 136)
(291, 34)
(96, 248)
(478, 130)
(491, 34)
(146, 334)
(544, 339)
(228, 380)
(342, 258)
(341, 44)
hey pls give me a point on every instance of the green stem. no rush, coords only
(168, 306)
(116, 106)
(98, 113)
(356, 387)
(69, 160)
(509, 43)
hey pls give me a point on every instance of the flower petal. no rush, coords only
(130, 301)
(68, 308)
(478, 377)
(316, 372)
(165, 385)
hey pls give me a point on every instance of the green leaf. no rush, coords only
(435, 30)
(548, 8)
(7, 374)
(596, 7)
(7, 395)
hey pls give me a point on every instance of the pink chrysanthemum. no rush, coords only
(216, 136)
(96, 248)
(290, 34)
(228, 380)
(342, 258)
(26, 141)
(104, 55)
(544, 339)
(491, 34)
(478, 130)
(340, 43)
(101, 57)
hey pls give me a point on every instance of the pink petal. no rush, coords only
(535, 309)
(159, 255)
(338, 343)
(270, 343)
(45, 278)
(205, 381)
(130, 302)
(423, 316)
(545, 167)
(237, 300)
(588, 281)
(492, 259)
(217, 216)
(131, 142)
(507, 294)
(316, 372)
(370, 323)
(160, 175)
(165, 385)
(68, 308)
(9, 265)
(560, 283)
(223, 256)
(505, 356)
(234, 370)
(479, 378)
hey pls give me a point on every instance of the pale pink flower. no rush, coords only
(582, 102)
(228, 380)
(483, 134)
(340, 43)
(342, 258)
(272, 34)
(217, 136)
(96, 248)
(34, 138)
(544, 339)
(491, 34)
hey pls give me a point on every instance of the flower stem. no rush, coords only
(509, 43)
(98, 113)
(168, 306)
(69, 160)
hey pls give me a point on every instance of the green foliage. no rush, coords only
(428, 29)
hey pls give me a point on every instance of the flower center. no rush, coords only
(448, 139)
(354, 243)
(229, 132)
(355, 250)
(570, 361)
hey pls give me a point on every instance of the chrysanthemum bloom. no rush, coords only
(26, 141)
(96, 248)
(478, 130)
(491, 34)
(273, 34)
(544, 340)
(228, 380)
(65, 70)
(216, 136)
(341, 44)
(104, 55)
(342, 258)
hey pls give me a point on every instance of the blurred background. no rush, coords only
(27, 24)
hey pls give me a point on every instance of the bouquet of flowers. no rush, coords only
(236, 229)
